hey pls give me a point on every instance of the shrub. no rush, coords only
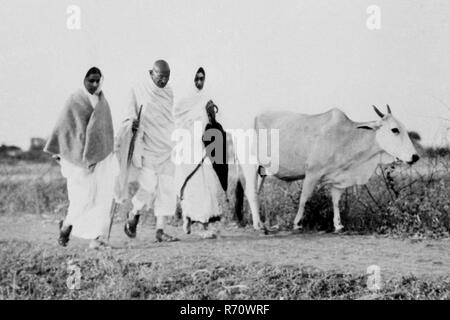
(437, 152)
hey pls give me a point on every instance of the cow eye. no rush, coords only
(395, 131)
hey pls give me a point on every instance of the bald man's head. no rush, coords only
(160, 73)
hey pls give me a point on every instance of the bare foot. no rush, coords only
(208, 234)
(164, 237)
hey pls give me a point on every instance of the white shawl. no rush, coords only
(153, 140)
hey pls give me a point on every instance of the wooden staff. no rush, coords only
(134, 130)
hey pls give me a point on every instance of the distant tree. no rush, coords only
(37, 144)
(9, 151)
(36, 151)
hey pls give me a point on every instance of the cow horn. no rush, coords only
(388, 109)
(378, 112)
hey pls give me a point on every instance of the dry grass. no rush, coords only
(408, 201)
(29, 273)
(405, 204)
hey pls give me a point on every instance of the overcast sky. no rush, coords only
(307, 56)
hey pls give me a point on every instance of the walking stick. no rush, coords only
(190, 176)
(114, 204)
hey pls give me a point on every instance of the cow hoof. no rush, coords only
(273, 229)
(258, 227)
(187, 225)
(339, 229)
(262, 230)
(297, 229)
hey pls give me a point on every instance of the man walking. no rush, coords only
(152, 98)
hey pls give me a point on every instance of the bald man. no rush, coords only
(152, 152)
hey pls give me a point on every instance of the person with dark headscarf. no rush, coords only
(82, 141)
(196, 179)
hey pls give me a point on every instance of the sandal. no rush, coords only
(164, 237)
(64, 234)
(98, 243)
(208, 235)
(131, 226)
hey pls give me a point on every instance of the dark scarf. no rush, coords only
(220, 164)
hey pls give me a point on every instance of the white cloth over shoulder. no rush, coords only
(200, 201)
(157, 123)
(90, 193)
(152, 165)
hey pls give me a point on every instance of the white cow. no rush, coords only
(328, 148)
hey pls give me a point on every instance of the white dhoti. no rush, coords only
(156, 188)
(90, 197)
(152, 149)
(200, 202)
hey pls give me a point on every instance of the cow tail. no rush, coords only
(239, 193)
(239, 203)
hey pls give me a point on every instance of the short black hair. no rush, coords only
(201, 70)
(93, 70)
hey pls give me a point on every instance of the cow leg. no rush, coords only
(308, 187)
(250, 174)
(336, 196)
(261, 184)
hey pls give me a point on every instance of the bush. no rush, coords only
(437, 152)
(37, 156)
(38, 196)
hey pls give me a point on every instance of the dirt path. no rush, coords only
(343, 253)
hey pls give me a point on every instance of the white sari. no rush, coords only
(90, 193)
(200, 201)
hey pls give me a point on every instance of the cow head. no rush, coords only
(392, 137)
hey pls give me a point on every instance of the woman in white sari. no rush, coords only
(199, 201)
(82, 141)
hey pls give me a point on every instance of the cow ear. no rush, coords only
(370, 126)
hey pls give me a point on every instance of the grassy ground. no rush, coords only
(404, 201)
(240, 264)
(407, 203)
(30, 273)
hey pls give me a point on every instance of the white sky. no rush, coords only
(307, 56)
